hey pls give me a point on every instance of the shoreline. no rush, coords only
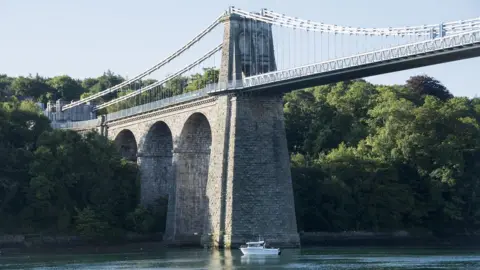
(135, 243)
(392, 239)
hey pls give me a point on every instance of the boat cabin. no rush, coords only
(259, 244)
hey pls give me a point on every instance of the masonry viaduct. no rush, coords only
(222, 160)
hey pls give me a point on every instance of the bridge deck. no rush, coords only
(425, 53)
(430, 52)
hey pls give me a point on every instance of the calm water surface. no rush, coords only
(310, 258)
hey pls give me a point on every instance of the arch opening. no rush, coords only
(192, 157)
(156, 171)
(126, 145)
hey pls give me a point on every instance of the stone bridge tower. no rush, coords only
(247, 49)
(258, 189)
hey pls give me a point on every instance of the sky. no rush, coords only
(85, 38)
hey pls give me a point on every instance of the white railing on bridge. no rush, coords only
(162, 103)
(373, 57)
(83, 125)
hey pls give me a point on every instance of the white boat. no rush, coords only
(258, 248)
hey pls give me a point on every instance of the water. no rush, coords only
(310, 258)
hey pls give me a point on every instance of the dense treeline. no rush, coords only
(57, 181)
(381, 158)
(364, 157)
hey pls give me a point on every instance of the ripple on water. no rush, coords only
(362, 259)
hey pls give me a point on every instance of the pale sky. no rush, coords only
(84, 38)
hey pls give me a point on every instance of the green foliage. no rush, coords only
(150, 219)
(60, 181)
(5, 86)
(425, 85)
(66, 87)
(141, 220)
(35, 87)
(199, 81)
(90, 225)
(368, 157)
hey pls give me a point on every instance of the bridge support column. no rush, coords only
(250, 168)
(247, 50)
(156, 175)
(259, 193)
(103, 128)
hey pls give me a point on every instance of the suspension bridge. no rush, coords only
(208, 134)
(303, 53)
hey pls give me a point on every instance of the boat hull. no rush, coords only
(260, 251)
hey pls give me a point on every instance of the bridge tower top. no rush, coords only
(247, 48)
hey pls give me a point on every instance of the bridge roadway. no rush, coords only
(425, 53)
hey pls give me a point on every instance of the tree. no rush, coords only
(426, 85)
(200, 81)
(67, 88)
(5, 85)
(35, 87)
(52, 180)
(73, 172)
(368, 157)
(88, 83)
(20, 125)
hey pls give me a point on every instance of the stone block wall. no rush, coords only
(155, 161)
(259, 185)
(185, 166)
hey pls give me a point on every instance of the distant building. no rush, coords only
(79, 113)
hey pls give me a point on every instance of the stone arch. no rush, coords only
(126, 144)
(155, 163)
(192, 160)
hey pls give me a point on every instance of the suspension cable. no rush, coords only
(292, 22)
(152, 69)
(144, 89)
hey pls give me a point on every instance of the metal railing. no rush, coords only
(87, 124)
(356, 61)
(162, 103)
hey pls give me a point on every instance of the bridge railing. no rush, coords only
(87, 124)
(209, 89)
(189, 96)
(162, 103)
(372, 57)
(225, 86)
